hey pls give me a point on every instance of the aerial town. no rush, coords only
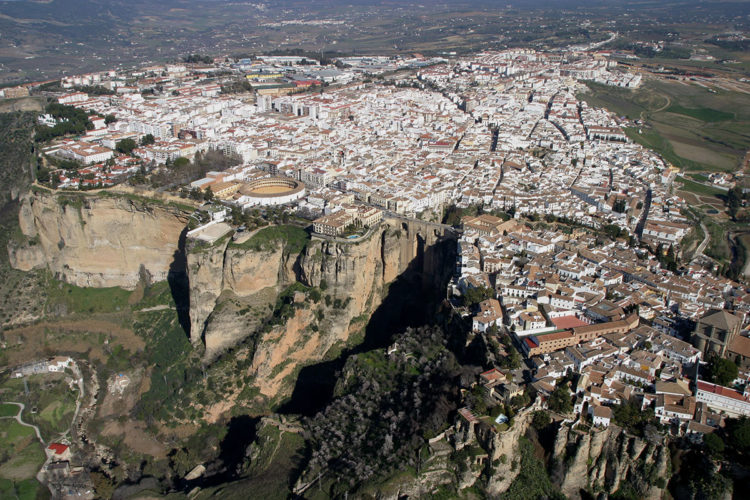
(568, 230)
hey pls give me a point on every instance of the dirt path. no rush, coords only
(669, 103)
(18, 419)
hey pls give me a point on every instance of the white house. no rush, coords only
(602, 415)
(490, 313)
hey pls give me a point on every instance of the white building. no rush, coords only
(723, 399)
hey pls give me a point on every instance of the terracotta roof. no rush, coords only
(722, 391)
(602, 412)
(720, 319)
(740, 345)
(565, 322)
(58, 448)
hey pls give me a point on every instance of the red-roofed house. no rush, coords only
(58, 451)
(721, 398)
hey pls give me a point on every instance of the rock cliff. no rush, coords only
(603, 460)
(233, 285)
(97, 241)
(580, 463)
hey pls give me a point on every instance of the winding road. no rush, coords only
(704, 243)
(18, 419)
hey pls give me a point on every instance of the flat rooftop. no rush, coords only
(212, 233)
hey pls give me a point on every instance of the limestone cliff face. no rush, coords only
(97, 241)
(605, 459)
(594, 460)
(226, 279)
(222, 269)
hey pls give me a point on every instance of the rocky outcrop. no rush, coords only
(223, 267)
(505, 444)
(97, 241)
(593, 461)
(604, 459)
(227, 277)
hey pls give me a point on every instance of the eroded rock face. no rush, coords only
(355, 274)
(97, 241)
(224, 268)
(605, 458)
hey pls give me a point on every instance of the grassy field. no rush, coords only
(689, 126)
(25, 463)
(718, 247)
(50, 394)
(698, 188)
(703, 114)
(295, 239)
(86, 300)
(7, 410)
(27, 489)
(21, 456)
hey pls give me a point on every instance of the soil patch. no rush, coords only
(136, 438)
(75, 336)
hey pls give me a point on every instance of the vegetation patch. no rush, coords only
(532, 482)
(386, 403)
(8, 410)
(27, 489)
(702, 114)
(698, 188)
(82, 300)
(294, 238)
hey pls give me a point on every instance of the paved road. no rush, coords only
(704, 243)
(18, 419)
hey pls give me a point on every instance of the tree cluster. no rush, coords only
(631, 417)
(236, 86)
(734, 201)
(474, 296)
(385, 405)
(185, 171)
(197, 59)
(75, 121)
(721, 371)
(560, 399)
(126, 146)
(619, 206)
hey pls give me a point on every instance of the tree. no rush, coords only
(147, 140)
(540, 420)
(721, 371)
(476, 295)
(734, 200)
(42, 174)
(110, 119)
(126, 146)
(103, 485)
(714, 444)
(512, 360)
(739, 433)
(560, 400)
(181, 162)
(619, 206)
(208, 195)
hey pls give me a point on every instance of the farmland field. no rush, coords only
(691, 127)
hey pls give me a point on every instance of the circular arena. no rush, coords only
(271, 191)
